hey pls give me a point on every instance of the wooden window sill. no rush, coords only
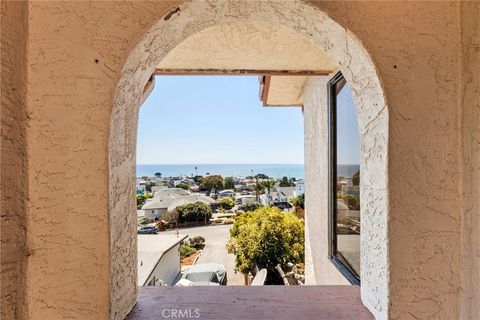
(250, 303)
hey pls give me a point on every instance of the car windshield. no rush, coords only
(202, 277)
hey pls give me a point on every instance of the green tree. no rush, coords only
(197, 211)
(141, 199)
(356, 178)
(226, 203)
(258, 187)
(183, 186)
(158, 174)
(261, 176)
(149, 185)
(266, 237)
(285, 182)
(249, 207)
(299, 201)
(268, 184)
(229, 183)
(352, 201)
(212, 182)
(198, 179)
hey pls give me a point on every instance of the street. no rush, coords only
(216, 237)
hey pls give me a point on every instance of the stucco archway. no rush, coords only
(306, 21)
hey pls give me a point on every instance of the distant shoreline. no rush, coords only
(235, 170)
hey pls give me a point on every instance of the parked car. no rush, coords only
(147, 230)
(204, 274)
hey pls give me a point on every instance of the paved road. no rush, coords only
(215, 252)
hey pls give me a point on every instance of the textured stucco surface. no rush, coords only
(84, 57)
(308, 23)
(75, 53)
(13, 158)
(470, 281)
(286, 90)
(250, 42)
(318, 268)
(415, 46)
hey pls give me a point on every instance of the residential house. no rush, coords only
(167, 199)
(158, 259)
(299, 188)
(278, 194)
(226, 193)
(246, 199)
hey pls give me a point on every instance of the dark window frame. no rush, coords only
(334, 86)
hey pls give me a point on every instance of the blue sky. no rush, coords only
(215, 119)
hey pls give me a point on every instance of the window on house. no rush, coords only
(344, 210)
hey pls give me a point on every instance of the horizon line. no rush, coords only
(209, 164)
(202, 164)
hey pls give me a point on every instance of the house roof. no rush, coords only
(156, 204)
(286, 191)
(171, 192)
(208, 50)
(227, 191)
(170, 199)
(151, 248)
(181, 201)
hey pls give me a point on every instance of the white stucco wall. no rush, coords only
(307, 22)
(86, 68)
(155, 213)
(168, 267)
(318, 268)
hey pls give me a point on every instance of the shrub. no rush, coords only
(249, 207)
(183, 186)
(141, 199)
(145, 221)
(299, 201)
(229, 221)
(186, 251)
(197, 242)
(352, 201)
(226, 203)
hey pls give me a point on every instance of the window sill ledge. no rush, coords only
(250, 303)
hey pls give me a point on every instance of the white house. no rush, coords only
(226, 193)
(278, 195)
(155, 208)
(159, 259)
(167, 199)
(299, 188)
(246, 199)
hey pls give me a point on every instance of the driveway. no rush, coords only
(216, 237)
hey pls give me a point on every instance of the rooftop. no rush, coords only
(150, 250)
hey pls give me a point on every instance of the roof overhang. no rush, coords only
(283, 59)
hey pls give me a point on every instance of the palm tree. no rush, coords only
(269, 184)
(258, 187)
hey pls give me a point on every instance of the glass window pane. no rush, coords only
(348, 178)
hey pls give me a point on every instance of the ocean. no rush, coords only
(234, 170)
